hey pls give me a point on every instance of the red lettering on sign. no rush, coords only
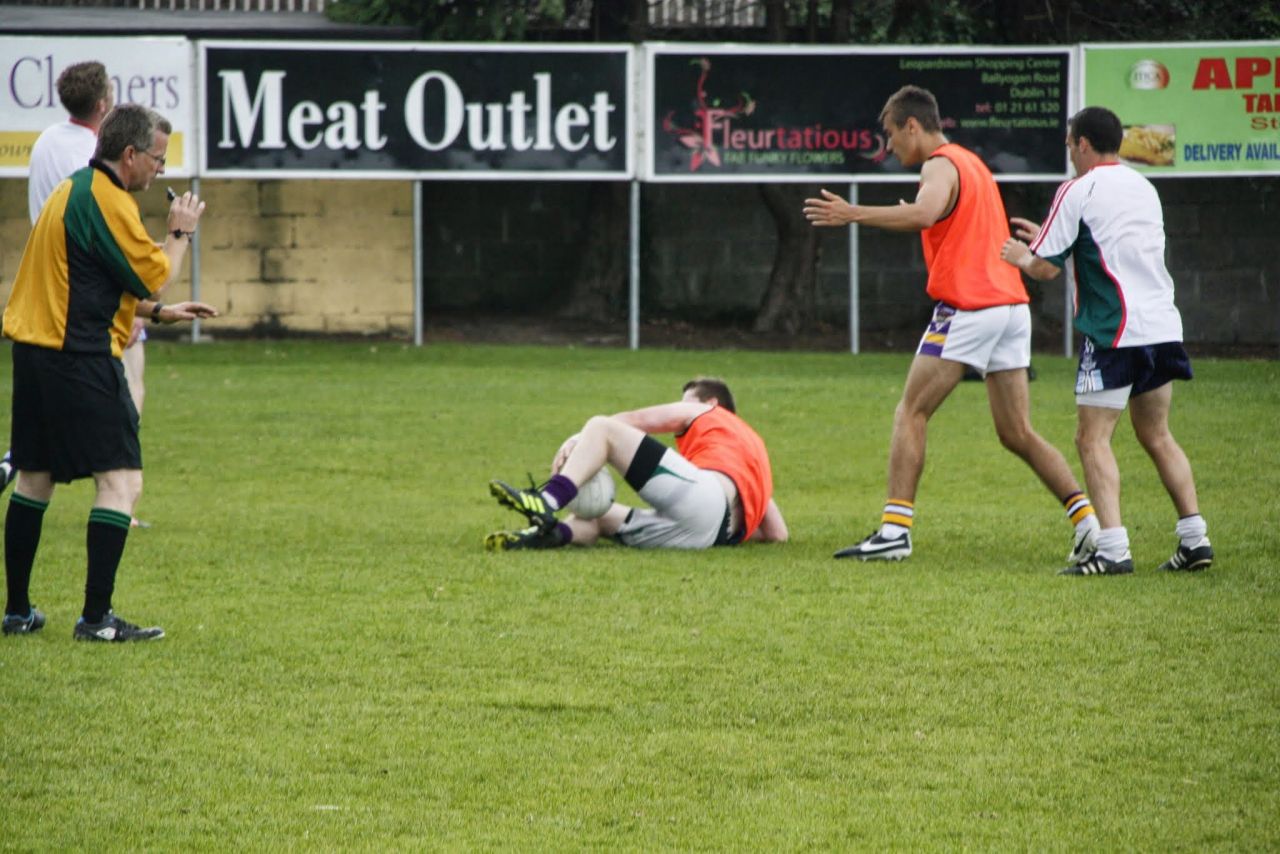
(1212, 74)
(1249, 67)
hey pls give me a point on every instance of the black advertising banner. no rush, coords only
(766, 115)
(334, 110)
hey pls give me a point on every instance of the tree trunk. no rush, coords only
(599, 288)
(841, 20)
(775, 20)
(790, 300)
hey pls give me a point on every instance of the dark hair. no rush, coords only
(913, 102)
(82, 86)
(1098, 125)
(705, 388)
(126, 125)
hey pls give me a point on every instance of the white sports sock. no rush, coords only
(1113, 543)
(1191, 530)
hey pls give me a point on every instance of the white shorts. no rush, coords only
(689, 508)
(989, 339)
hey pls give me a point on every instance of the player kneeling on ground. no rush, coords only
(715, 489)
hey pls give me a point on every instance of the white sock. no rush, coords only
(1113, 543)
(1191, 530)
(897, 518)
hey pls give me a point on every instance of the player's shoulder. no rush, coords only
(939, 166)
(1113, 179)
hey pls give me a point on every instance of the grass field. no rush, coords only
(346, 668)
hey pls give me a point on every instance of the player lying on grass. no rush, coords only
(715, 489)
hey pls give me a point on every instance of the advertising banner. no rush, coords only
(793, 114)
(1191, 108)
(333, 110)
(154, 72)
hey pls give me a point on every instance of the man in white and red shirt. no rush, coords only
(1109, 219)
(85, 91)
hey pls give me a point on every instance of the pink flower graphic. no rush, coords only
(709, 118)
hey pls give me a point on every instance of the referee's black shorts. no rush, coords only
(72, 414)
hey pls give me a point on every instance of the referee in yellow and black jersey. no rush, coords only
(88, 268)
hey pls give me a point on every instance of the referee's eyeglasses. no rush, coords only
(159, 159)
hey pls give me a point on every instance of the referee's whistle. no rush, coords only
(168, 191)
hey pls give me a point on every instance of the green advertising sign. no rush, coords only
(1191, 108)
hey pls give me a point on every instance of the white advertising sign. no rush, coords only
(154, 72)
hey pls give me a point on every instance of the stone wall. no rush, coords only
(335, 257)
(327, 257)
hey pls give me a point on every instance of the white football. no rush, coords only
(594, 497)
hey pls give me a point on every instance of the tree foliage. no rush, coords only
(453, 20)
(868, 22)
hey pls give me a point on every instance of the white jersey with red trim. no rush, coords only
(59, 150)
(1110, 220)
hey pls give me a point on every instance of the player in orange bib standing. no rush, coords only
(714, 489)
(981, 319)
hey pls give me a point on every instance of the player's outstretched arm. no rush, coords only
(938, 183)
(829, 210)
(1018, 254)
(173, 312)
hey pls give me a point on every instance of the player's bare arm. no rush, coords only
(1018, 254)
(672, 418)
(938, 185)
(772, 528)
(173, 312)
(829, 210)
(1024, 229)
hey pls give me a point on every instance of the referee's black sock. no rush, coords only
(108, 530)
(22, 524)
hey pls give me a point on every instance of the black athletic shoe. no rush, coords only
(1190, 559)
(15, 624)
(112, 629)
(532, 537)
(527, 501)
(1099, 565)
(876, 547)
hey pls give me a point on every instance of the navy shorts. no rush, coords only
(72, 414)
(1145, 368)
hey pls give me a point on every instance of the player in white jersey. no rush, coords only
(59, 150)
(1109, 219)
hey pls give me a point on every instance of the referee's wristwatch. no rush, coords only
(177, 232)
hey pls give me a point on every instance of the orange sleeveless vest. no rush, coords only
(962, 250)
(723, 442)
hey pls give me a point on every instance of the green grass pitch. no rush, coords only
(346, 668)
